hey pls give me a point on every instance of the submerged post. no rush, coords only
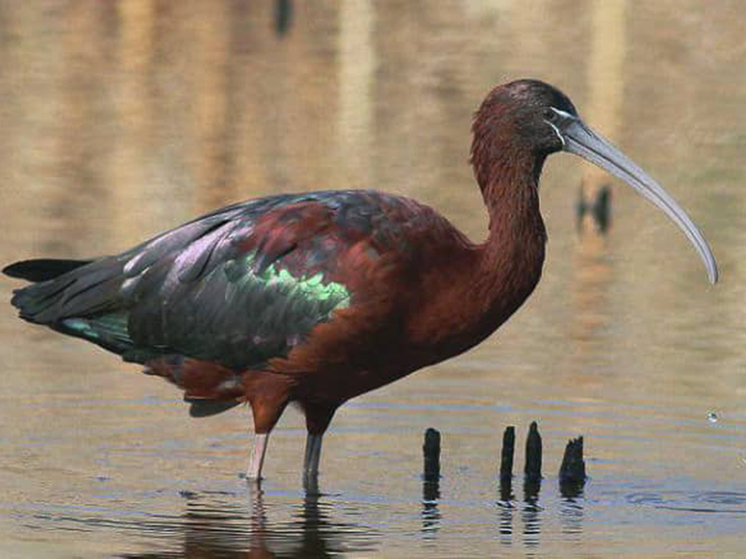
(532, 469)
(572, 469)
(506, 464)
(506, 456)
(431, 452)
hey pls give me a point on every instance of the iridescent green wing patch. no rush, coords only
(241, 317)
(313, 288)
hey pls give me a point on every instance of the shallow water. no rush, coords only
(118, 120)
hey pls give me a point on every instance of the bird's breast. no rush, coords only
(474, 299)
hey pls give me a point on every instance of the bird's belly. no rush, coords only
(343, 359)
(339, 380)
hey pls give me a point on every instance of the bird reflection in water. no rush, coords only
(228, 531)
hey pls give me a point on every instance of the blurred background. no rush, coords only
(121, 119)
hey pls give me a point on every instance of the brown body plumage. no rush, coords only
(319, 297)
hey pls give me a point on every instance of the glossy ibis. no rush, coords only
(318, 297)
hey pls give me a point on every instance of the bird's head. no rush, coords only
(522, 122)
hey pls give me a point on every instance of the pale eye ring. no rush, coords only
(550, 115)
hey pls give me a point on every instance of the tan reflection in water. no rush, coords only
(357, 65)
(131, 184)
(606, 80)
(210, 53)
(591, 270)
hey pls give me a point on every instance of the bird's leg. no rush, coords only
(268, 400)
(313, 454)
(254, 471)
(311, 463)
(318, 417)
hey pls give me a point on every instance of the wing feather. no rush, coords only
(238, 286)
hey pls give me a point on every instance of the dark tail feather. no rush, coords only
(42, 269)
(66, 289)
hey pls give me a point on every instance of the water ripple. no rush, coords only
(723, 502)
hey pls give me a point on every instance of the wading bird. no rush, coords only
(318, 297)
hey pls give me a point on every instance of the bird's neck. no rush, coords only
(509, 182)
(511, 259)
(507, 172)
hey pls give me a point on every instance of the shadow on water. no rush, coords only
(216, 528)
(531, 513)
(571, 510)
(430, 512)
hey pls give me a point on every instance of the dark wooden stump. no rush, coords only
(572, 471)
(506, 464)
(431, 452)
(573, 465)
(532, 469)
(506, 456)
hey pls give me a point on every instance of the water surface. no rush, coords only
(119, 120)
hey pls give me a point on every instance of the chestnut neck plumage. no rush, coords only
(511, 258)
(481, 285)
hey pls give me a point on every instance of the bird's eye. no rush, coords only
(550, 115)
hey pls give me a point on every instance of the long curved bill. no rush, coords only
(579, 139)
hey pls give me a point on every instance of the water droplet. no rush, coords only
(712, 417)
